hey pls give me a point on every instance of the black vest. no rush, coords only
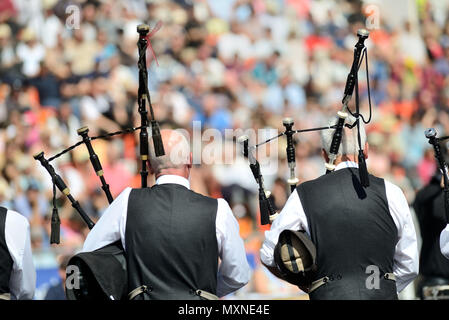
(429, 209)
(171, 242)
(352, 228)
(6, 262)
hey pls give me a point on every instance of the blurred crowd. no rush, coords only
(226, 64)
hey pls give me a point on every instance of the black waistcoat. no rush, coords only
(171, 242)
(6, 262)
(429, 209)
(352, 229)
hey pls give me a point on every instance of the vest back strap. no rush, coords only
(5, 296)
(318, 283)
(440, 292)
(142, 289)
(137, 291)
(390, 276)
(206, 295)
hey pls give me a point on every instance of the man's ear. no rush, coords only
(366, 150)
(324, 155)
(150, 168)
(189, 165)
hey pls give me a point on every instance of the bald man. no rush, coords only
(172, 236)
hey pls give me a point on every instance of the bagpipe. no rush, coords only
(267, 212)
(142, 97)
(440, 151)
(94, 282)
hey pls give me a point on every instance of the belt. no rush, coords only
(142, 289)
(318, 283)
(5, 296)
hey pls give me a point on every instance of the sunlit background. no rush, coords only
(228, 63)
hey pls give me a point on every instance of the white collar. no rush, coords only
(171, 178)
(346, 164)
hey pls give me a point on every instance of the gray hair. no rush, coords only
(177, 151)
(349, 142)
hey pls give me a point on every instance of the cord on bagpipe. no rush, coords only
(143, 96)
(267, 211)
(431, 134)
(360, 53)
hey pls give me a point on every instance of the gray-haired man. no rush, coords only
(365, 238)
(172, 236)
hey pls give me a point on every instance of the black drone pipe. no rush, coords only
(288, 124)
(141, 99)
(352, 76)
(351, 83)
(267, 212)
(60, 184)
(143, 96)
(84, 133)
(431, 134)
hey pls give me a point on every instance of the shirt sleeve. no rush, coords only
(23, 277)
(444, 241)
(111, 226)
(292, 217)
(234, 271)
(406, 257)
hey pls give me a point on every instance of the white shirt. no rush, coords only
(406, 258)
(234, 271)
(23, 277)
(444, 241)
(31, 58)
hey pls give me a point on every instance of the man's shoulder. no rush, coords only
(392, 188)
(314, 182)
(191, 193)
(16, 218)
(327, 178)
(202, 197)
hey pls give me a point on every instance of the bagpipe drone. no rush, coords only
(93, 282)
(143, 96)
(440, 151)
(267, 212)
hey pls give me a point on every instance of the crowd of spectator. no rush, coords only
(229, 64)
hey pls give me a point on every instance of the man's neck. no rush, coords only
(172, 178)
(173, 172)
(346, 158)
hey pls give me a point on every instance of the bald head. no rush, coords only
(177, 159)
